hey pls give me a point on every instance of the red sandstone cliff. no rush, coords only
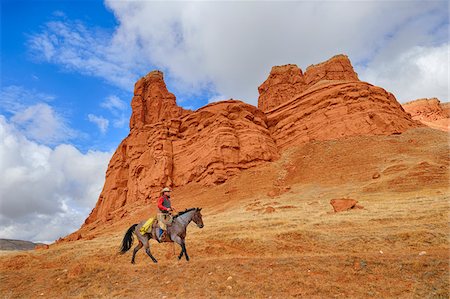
(287, 81)
(430, 112)
(170, 146)
(327, 102)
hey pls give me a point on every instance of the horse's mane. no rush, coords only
(184, 212)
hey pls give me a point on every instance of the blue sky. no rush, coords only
(74, 95)
(68, 70)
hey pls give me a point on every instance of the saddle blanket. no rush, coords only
(147, 225)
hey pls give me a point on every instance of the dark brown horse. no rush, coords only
(176, 232)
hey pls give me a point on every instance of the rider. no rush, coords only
(164, 216)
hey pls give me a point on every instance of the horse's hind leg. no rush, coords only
(136, 249)
(149, 253)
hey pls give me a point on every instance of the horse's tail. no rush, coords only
(127, 239)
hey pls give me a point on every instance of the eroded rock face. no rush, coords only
(430, 112)
(152, 102)
(170, 146)
(288, 81)
(336, 109)
(344, 204)
(207, 146)
(219, 140)
(337, 68)
(283, 83)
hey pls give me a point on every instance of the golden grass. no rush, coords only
(260, 244)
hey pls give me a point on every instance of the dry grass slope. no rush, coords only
(271, 232)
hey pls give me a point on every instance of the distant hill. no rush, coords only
(6, 244)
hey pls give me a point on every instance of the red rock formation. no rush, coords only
(337, 68)
(430, 112)
(336, 109)
(169, 146)
(41, 247)
(219, 140)
(283, 82)
(287, 81)
(152, 102)
(206, 146)
(344, 204)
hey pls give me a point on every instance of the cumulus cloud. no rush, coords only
(118, 109)
(101, 122)
(88, 51)
(228, 47)
(45, 193)
(15, 98)
(41, 123)
(416, 73)
(114, 104)
(32, 115)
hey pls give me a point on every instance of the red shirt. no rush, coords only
(161, 203)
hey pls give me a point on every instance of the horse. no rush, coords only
(176, 231)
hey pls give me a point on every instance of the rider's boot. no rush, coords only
(162, 235)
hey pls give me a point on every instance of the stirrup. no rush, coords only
(162, 236)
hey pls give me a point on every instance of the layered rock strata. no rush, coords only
(430, 112)
(170, 146)
(287, 81)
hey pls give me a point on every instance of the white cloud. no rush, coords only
(229, 47)
(90, 52)
(30, 112)
(118, 109)
(100, 121)
(45, 193)
(42, 124)
(15, 98)
(416, 73)
(114, 104)
(235, 44)
(217, 98)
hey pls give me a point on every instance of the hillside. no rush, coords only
(430, 112)
(271, 230)
(265, 178)
(171, 146)
(7, 244)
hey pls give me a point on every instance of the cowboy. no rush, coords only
(164, 216)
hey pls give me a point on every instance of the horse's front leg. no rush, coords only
(180, 241)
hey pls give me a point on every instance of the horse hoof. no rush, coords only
(155, 261)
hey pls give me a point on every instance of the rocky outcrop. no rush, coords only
(288, 81)
(168, 149)
(152, 102)
(430, 112)
(344, 204)
(170, 146)
(338, 109)
(219, 140)
(337, 68)
(283, 83)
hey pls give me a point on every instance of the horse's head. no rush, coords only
(197, 218)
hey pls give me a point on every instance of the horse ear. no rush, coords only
(199, 209)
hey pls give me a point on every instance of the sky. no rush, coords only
(68, 70)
